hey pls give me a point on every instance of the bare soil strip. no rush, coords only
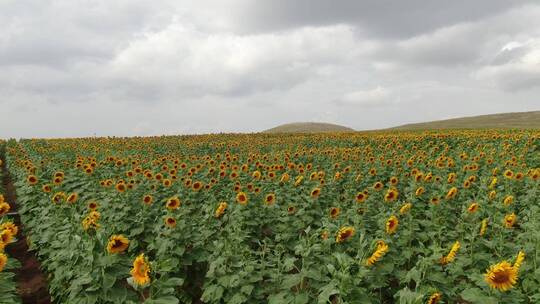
(31, 282)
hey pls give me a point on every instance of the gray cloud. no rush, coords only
(143, 67)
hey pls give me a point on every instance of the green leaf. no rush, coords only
(475, 295)
(212, 293)
(163, 300)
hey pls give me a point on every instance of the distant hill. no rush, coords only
(308, 127)
(521, 120)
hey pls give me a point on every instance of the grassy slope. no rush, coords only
(308, 127)
(522, 120)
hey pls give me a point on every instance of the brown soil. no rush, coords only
(31, 282)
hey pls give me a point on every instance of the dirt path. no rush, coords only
(31, 282)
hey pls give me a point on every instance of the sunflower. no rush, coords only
(167, 182)
(3, 261)
(291, 209)
(361, 197)
(451, 193)
(92, 205)
(284, 178)
(451, 178)
(378, 186)
(140, 271)
(170, 222)
(483, 226)
(510, 220)
(148, 199)
(345, 233)
(334, 212)
(419, 191)
(391, 195)
(298, 180)
(220, 210)
(473, 207)
(197, 186)
(90, 223)
(120, 187)
(451, 256)
(11, 227)
(270, 199)
(6, 236)
(493, 183)
(173, 203)
(242, 198)
(117, 244)
(377, 255)
(72, 198)
(4, 208)
(405, 208)
(434, 298)
(46, 188)
(394, 180)
(435, 200)
(508, 174)
(519, 260)
(392, 224)
(256, 174)
(315, 192)
(509, 199)
(502, 276)
(32, 179)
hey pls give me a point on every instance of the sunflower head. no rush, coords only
(3, 261)
(4, 208)
(121, 187)
(361, 197)
(242, 198)
(434, 298)
(72, 198)
(509, 199)
(291, 209)
(501, 276)
(510, 220)
(173, 203)
(117, 244)
(473, 207)
(405, 208)
(32, 179)
(315, 192)
(220, 210)
(92, 205)
(345, 233)
(334, 212)
(391, 195)
(392, 224)
(148, 199)
(270, 199)
(170, 222)
(11, 227)
(140, 271)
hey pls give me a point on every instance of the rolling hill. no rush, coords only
(519, 120)
(308, 127)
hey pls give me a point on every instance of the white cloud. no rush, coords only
(520, 68)
(182, 58)
(373, 97)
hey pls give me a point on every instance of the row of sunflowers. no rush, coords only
(8, 234)
(379, 217)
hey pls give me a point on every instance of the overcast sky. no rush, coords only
(147, 67)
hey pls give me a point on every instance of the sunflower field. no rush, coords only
(378, 217)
